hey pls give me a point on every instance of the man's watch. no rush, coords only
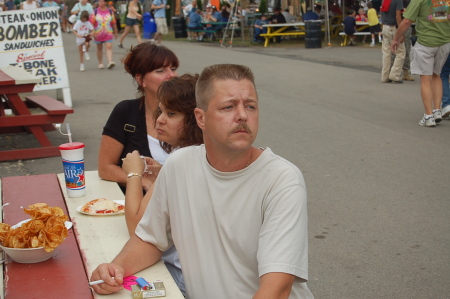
(132, 174)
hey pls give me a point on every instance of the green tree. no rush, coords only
(263, 6)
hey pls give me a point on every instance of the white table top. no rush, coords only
(101, 238)
(20, 75)
(285, 24)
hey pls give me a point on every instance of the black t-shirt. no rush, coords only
(127, 125)
(389, 18)
(349, 25)
(279, 18)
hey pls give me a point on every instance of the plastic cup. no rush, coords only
(73, 163)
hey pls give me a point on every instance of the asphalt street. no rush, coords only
(378, 183)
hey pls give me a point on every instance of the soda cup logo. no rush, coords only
(74, 174)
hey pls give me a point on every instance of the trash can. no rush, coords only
(149, 27)
(313, 37)
(179, 26)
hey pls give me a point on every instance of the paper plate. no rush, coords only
(122, 202)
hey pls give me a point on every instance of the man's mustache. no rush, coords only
(242, 127)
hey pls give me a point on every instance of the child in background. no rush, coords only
(83, 29)
(258, 28)
(361, 17)
(350, 26)
(374, 23)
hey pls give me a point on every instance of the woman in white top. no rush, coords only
(133, 16)
(176, 127)
(29, 4)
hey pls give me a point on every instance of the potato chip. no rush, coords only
(57, 211)
(4, 231)
(34, 242)
(34, 226)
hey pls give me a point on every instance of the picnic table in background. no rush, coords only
(15, 80)
(274, 30)
(225, 26)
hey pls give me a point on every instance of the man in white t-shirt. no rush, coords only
(236, 213)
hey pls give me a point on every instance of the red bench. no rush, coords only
(24, 121)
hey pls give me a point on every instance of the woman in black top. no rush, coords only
(131, 125)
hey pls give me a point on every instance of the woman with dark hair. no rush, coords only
(131, 125)
(176, 127)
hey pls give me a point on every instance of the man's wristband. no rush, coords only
(132, 174)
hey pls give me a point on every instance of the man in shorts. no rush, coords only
(429, 53)
(160, 7)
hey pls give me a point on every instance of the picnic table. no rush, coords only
(274, 30)
(92, 240)
(15, 80)
(209, 27)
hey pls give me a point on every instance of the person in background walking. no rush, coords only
(105, 30)
(429, 53)
(160, 7)
(134, 14)
(83, 30)
(80, 6)
(374, 23)
(65, 26)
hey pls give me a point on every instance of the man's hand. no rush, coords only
(112, 274)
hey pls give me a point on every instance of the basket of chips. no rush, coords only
(35, 239)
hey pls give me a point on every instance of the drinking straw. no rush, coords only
(68, 133)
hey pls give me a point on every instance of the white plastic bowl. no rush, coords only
(27, 255)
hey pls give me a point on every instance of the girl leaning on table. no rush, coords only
(83, 30)
(176, 127)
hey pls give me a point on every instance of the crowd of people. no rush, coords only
(212, 19)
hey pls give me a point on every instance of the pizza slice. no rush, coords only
(102, 206)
